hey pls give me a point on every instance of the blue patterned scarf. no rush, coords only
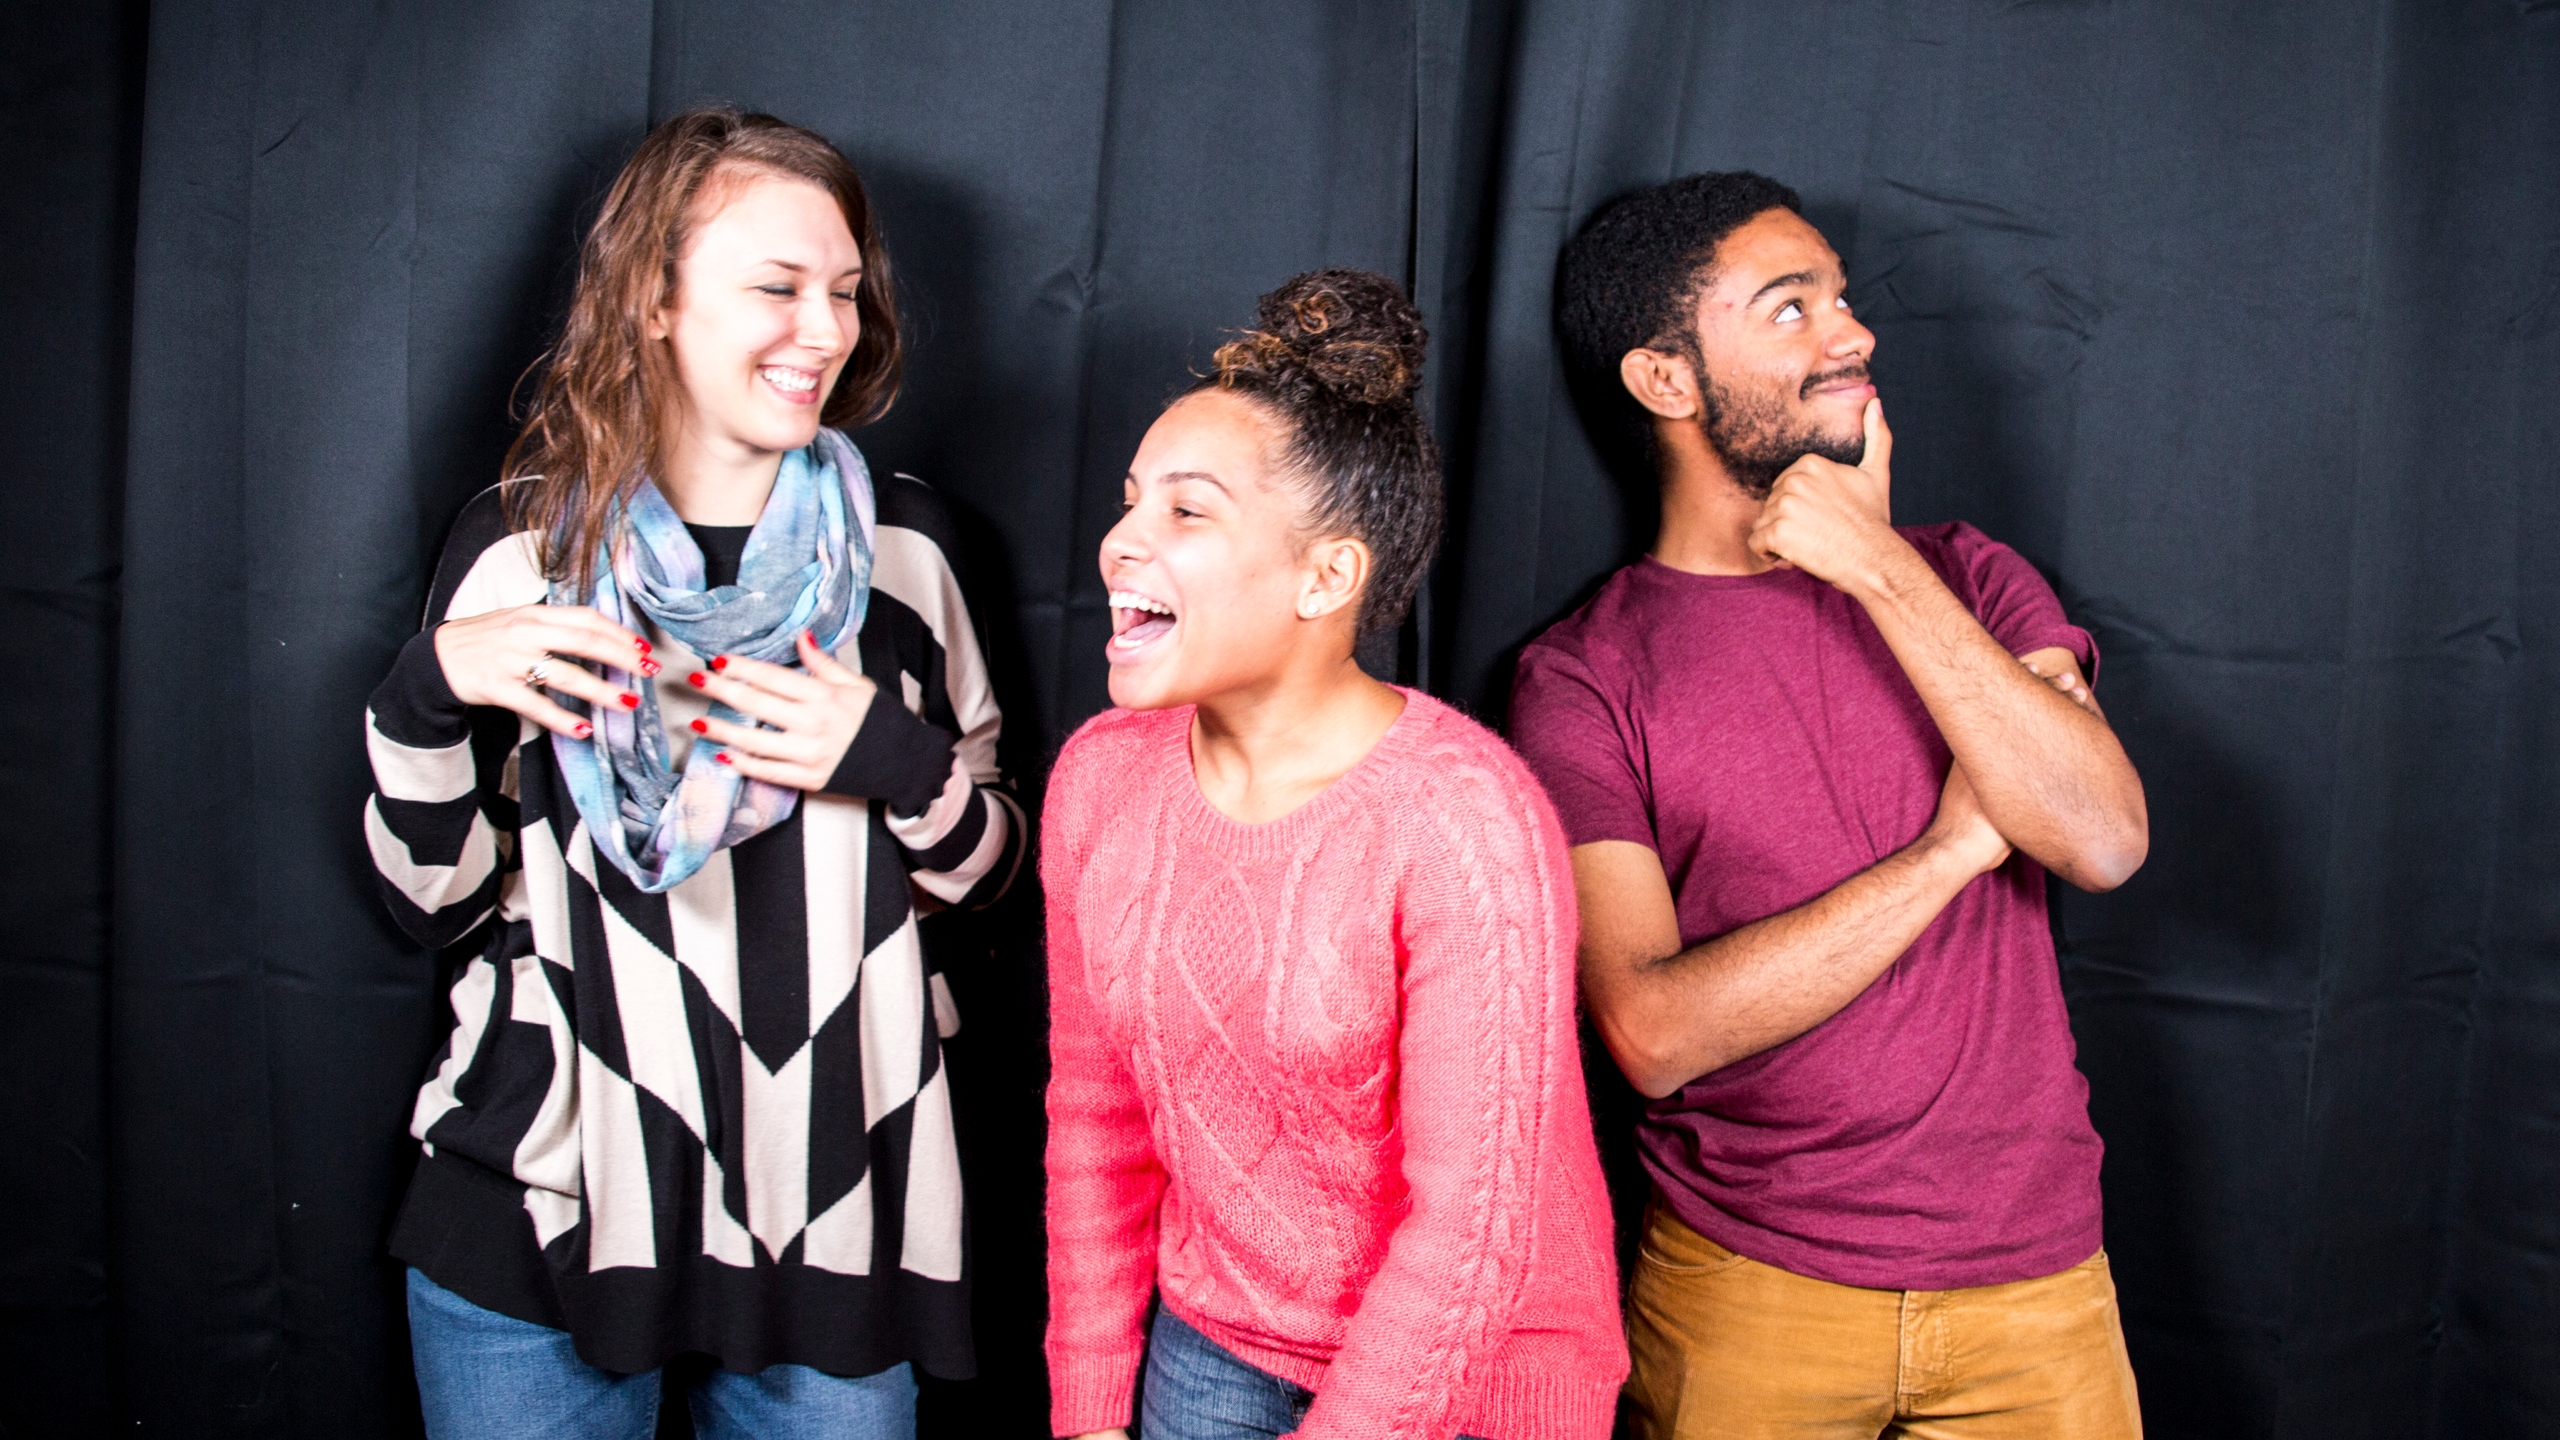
(807, 566)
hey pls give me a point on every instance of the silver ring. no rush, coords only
(533, 676)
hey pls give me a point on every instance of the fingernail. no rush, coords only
(584, 730)
(650, 667)
(722, 757)
(697, 679)
(643, 644)
(719, 662)
(630, 701)
(812, 637)
(701, 727)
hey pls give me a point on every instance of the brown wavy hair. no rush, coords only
(606, 393)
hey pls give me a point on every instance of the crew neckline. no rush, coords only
(1768, 576)
(1281, 830)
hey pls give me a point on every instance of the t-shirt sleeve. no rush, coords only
(2013, 601)
(1577, 741)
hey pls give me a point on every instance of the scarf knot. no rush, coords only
(807, 566)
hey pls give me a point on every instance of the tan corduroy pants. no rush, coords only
(1730, 1349)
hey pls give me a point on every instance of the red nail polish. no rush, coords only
(722, 757)
(650, 667)
(697, 679)
(630, 701)
(701, 727)
(643, 644)
(584, 730)
(719, 662)
(812, 637)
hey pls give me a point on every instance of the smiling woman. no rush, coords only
(698, 719)
(1285, 901)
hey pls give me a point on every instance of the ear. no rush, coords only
(1337, 571)
(1662, 382)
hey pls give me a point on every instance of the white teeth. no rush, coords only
(795, 381)
(1132, 600)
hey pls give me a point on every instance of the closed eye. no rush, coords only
(779, 292)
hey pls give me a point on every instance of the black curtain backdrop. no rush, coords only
(2242, 322)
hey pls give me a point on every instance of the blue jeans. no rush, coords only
(1197, 1390)
(487, 1376)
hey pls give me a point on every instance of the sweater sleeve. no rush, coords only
(440, 801)
(1488, 928)
(1105, 1181)
(928, 747)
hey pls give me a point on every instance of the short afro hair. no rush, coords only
(1629, 280)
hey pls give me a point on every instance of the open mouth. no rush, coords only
(1137, 621)
(799, 386)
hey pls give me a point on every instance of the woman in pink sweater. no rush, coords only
(1317, 1084)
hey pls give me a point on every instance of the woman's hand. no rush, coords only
(489, 659)
(814, 716)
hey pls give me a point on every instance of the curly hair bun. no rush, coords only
(1352, 332)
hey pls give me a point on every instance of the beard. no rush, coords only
(1758, 435)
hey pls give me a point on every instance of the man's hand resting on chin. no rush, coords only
(1833, 521)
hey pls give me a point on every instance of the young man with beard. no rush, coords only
(1814, 768)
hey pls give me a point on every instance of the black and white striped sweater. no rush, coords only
(713, 1120)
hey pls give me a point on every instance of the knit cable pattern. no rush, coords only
(1318, 1082)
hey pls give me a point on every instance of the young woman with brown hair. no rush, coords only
(697, 718)
(1316, 1083)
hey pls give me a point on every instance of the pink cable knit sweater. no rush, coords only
(1319, 1082)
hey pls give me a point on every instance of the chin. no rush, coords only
(793, 436)
(1133, 688)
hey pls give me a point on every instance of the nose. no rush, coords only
(822, 330)
(1848, 338)
(1124, 544)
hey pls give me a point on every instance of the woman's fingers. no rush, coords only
(539, 708)
(824, 666)
(589, 636)
(773, 679)
(746, 699)
(570, 678)
(790, 774)
(752, 740)
(770, 755)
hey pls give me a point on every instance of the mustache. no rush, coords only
(1854, 370)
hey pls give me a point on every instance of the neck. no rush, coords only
(716, 482)
(1706, 515)
(1262, 752)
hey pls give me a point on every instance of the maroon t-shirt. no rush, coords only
(1756, 733)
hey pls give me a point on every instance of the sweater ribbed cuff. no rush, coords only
(414, 704)
(1093, 1394)
(897, 756)
(1526, 1404)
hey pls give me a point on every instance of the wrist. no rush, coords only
(1960, 852)
(1890, 573)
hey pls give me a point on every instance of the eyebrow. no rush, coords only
(796, 268)
(1792, 277)
(1172, 475)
